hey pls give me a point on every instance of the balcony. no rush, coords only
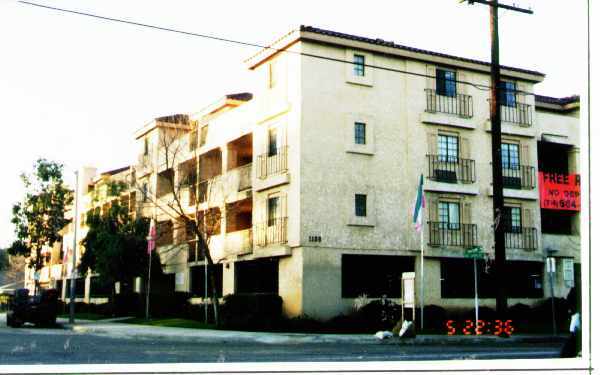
(239, 242)
(523, 238)
(518, 114)
(244, 177)
(461, 105)
(451, 170)
(448, 234)
(518, 177)
(145, 164)
(271, 232)
(269, 165)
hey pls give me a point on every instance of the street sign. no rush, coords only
(475, 253)
(551, 265)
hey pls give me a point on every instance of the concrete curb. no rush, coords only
(134, 331)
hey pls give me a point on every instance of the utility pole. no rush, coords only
(498, 183)
(73, 255)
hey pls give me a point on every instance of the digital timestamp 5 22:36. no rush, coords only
(481, 327)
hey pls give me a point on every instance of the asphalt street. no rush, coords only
(29, 346)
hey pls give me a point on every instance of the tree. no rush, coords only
(184, 183)
(115, 245)
(40, 215)
(4, 260)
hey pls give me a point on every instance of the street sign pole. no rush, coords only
(476, 296)
(475, 253)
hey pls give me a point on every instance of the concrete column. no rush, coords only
(228, 278)
(87, 290)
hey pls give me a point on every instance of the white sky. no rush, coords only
(74, 89)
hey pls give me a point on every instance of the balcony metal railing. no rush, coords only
(274, 164)
(518, 176)
(271, 232)
(518, 114)
(449, 234)
(460, 104)
(521, 238)
(452, 170)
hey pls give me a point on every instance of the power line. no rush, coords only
(249, 44)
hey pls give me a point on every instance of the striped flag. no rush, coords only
(419, 207)
(151, 237)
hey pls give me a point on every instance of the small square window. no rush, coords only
(360, 137)
(360, 205)
(359, 65)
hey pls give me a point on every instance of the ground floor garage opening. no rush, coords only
(374, 275)
(197, 280)
(257, 276)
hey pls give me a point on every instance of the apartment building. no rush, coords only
(314, 175)
(308, 182)
(95, 192)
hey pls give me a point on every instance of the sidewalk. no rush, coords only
(114, 329)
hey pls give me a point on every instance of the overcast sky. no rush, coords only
(74, 89)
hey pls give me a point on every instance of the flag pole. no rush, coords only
(422, 288)
(148, 287)
(151, 245)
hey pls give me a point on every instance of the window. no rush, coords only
(203, 134)
(445, 82)
(272, 210)
(146, 146)
(360, 137)
(512, 219)
(374, 275)
(510, 156)
(508, 93)
(360, 205)
(359, 65)
(447, 148)
(273, 147)
(449, 215)
(557, 222)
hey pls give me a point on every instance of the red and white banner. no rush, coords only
(559, 191)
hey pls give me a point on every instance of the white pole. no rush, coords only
(148, 286)
(422, 286)
(74, 255)
(476, 296)
(205, 291)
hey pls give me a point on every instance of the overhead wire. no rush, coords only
(264, 47)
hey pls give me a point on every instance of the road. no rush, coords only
(28, 346)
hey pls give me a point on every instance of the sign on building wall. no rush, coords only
(559, 191)
(179, 278)
(568, 272)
